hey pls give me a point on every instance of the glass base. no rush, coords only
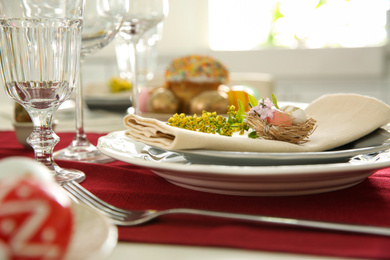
(65, 175)
(84, 152)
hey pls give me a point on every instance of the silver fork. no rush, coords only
(122, 217)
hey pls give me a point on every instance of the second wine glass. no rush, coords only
(142, 16)
(102, 20)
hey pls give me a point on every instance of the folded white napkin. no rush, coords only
(341, 118)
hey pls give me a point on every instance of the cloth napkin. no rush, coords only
(341, 118)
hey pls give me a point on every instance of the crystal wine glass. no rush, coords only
(40, 42)
(102, 20)
(146, 55)
(142, 16)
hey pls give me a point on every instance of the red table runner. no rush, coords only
(132, 187)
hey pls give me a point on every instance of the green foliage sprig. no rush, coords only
(217, 124)
(212, 123)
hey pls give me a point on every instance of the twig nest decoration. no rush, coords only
(296, 134)
(288, 124)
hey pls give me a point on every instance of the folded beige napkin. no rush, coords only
(341, 118)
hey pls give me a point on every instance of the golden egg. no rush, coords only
(210, 101)
(163, 101)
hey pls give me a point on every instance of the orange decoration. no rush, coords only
(239, 93)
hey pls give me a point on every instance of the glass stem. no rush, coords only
(43, 139)
(80, 137)
(134, 69)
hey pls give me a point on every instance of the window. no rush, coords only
(254, 24)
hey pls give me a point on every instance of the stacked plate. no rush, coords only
(257, 174)
(98, 96)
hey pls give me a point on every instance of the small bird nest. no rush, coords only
(296, 134)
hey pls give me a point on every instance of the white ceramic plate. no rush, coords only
(94, 235)
(98, 96)
(243, 180)
(377, 141)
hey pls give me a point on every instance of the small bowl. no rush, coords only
(23, 130)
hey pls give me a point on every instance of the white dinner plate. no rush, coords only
(94, 237)
(377, 141)
(278, 180)
(98, 96)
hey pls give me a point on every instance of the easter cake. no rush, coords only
(191, 75)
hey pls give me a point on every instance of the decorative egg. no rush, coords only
(36, 219)
(20, 114)
(211, 101)
(280, 119)
(163, 101)
(239, 92)
(298, 115)
(143, 98)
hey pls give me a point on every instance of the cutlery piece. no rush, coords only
(122, 217)
(159, 155)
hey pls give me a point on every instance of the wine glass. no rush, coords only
(102, 20)
(141, 17)
(146, 55)
(40, 44)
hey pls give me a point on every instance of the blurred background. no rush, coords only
(309, 47)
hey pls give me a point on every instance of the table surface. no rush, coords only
(146, 251)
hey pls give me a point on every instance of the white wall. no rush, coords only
(301, 75)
